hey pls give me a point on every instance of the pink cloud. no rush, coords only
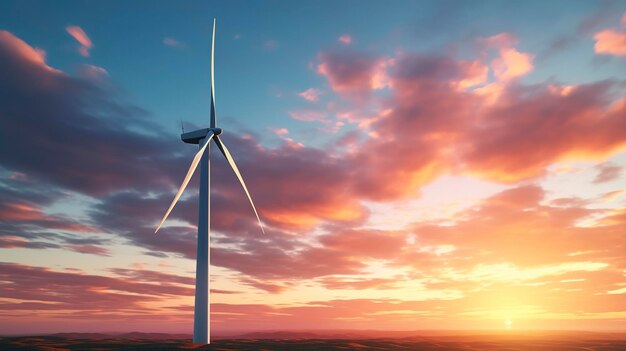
(81, 37)
(280, 131)
(90, 249)
(310, 94)
(22, 50)
(345, 39)
(610, 42)
(352, 74)
(308, 115)
(23, 212)
(608, 172)
(532, 126)
(475, 72)
(512, 64)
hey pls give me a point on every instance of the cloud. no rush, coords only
(610, 42)
(82, 38)
(78, 291)
(358, 284)
(432, 127)
(426, 124)
(171, 42)
(512, 64)
(549, 127)
(430, 122)
(351, 73)
(22, 51)
(90, 249)
(94, 73)
(308, 115)
(499, 41)
(57, 153)
(607, 172)
(505, 227)
(365, 243)
(280, 131)
(590, 24)
(78, 298)
(25, 224)
(310, 94)
(345, 39)
(24, 213)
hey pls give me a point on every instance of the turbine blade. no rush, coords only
(218, 142)
(230, 160)
(192, 169)
(213, 117)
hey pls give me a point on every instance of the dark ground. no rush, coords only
(484, 342)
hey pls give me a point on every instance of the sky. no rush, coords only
(438, 165)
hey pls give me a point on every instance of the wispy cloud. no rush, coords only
(82, 38)
(171, 42)
(345, 39)
(310, 94)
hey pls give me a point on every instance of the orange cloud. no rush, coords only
(24, 51)
(79, 34)
(610, 42)
(545, 128)
(426, 112)
(512, 64)
(475, 73)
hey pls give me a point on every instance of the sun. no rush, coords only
(508, 324)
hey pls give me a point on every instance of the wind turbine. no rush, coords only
(203, 137)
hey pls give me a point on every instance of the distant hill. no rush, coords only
(319, 340)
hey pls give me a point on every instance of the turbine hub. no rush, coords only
(217, 131)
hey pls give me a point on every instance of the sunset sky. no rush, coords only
(418, 165)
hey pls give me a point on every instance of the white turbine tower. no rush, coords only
(203, 137)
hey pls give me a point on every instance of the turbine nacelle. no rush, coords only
(198, 135)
